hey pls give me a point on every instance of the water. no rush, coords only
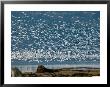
(33, 68)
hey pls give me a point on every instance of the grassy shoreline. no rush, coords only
(41, 71)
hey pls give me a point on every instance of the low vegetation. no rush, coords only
(64, 72)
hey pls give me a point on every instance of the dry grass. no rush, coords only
(65, 72)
